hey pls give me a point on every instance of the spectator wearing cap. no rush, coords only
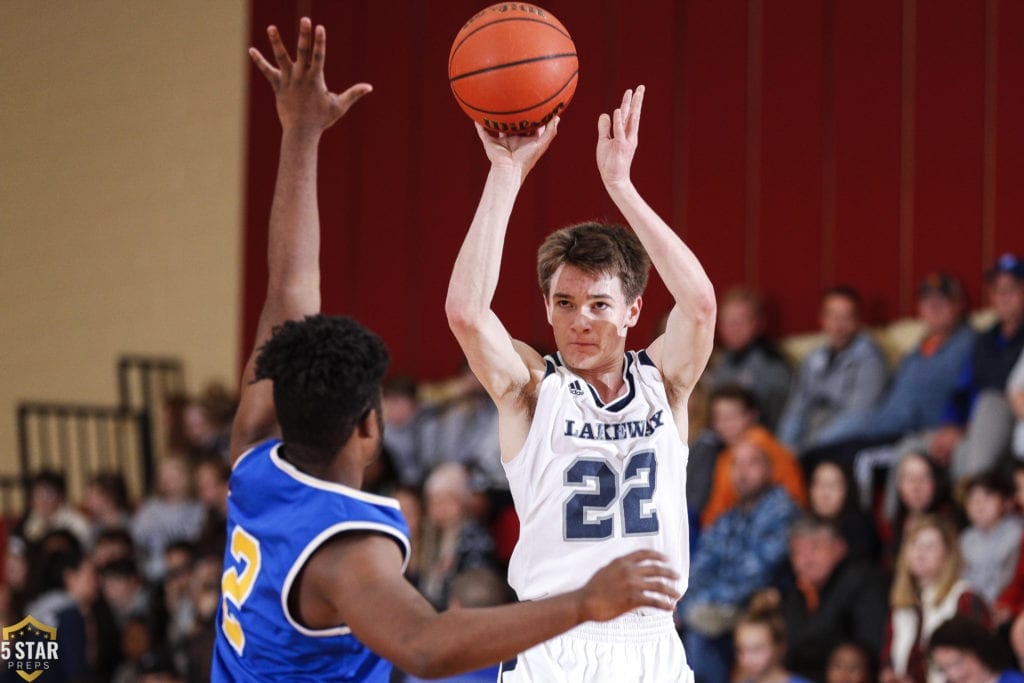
(924, 381)
(977, 421)
(843, 377)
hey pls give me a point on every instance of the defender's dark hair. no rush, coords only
(595, 248)
(51, 479)
(327, 373)
(993, 480)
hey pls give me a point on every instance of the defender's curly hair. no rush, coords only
(595, 248)
(327, 373)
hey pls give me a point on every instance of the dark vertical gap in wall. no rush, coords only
(828, 144)
(755, 16)
(908, 83)
(990, 134)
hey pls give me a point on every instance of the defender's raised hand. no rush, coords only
(303, 100)
(617, 137)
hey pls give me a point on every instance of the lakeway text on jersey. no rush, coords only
(613, 431)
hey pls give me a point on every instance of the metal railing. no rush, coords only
(81, 440)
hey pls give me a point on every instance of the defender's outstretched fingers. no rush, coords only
(319, 47)
(269, 72)
(284, 62)
(302, 55)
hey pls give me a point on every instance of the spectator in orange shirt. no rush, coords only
(734, 416)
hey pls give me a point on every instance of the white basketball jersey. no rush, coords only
(594, 482)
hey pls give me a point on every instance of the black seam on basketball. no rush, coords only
(506, 65)
(455, 48)
(517, 111)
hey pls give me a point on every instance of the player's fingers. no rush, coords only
(319, 48)
(302, 55)
(664, 589)
(637, 105)
(604, 127)
(626, 98)
(618, 124)
(269, 72)
(284, 62)
(487, 137)
(656, 600)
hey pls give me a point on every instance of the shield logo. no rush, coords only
(28, 646)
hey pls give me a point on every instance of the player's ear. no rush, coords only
(633, 314)
(547, 307)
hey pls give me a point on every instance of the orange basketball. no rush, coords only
(513, 67)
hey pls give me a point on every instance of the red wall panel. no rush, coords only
(794, 146)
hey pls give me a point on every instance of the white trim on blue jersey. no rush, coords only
(313, 545)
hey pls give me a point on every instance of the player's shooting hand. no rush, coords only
(640, 579)
(303, 100)
(617, 137)
(519, 152)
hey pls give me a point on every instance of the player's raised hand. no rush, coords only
(520, 152)
(640, 579)
(617, 137)
(303, 100)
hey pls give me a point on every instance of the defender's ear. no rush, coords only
(369, 426)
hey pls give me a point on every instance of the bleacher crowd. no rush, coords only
(852, 518)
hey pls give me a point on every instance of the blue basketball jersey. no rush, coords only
(277, 518)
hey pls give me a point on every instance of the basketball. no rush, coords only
(513, 67)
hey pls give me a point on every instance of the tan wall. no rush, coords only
(120, 193)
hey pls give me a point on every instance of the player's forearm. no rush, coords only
(463, 640)
(293, 243)
(677, 265)
(475, 274)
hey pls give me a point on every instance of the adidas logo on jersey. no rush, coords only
(575, 389)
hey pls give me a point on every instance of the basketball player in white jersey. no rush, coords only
(591, 436)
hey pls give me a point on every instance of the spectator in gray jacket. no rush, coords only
(746, 357)
(843, 377)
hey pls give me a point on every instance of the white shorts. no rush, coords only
(630, 649)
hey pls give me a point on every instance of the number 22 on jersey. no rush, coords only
(236, 584)
(590, 512)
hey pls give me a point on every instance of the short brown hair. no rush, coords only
(595, 248)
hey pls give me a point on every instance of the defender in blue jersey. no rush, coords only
(313, 586)
(592, 437)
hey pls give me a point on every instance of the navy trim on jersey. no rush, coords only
(644, 358)
(618, 404)
(550, 367)
(557, 358)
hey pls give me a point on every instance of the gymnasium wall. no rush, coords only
(120, 193)
(793, 144)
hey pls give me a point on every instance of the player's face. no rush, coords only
(590, 318)
(839, 321)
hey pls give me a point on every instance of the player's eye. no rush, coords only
(562, 303)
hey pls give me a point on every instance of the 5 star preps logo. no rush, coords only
(29, 648)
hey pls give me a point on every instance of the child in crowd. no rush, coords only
(926, 590)
(760, 639)
(965, 651)
(991, 544)
(850, 662)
